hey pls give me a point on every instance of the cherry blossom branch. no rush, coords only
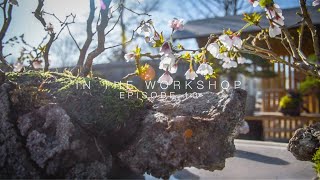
(129, 76)
(115, 24)
(39, 12)
(308, 21)
(301, 33)
(267, 54)
(39, 15)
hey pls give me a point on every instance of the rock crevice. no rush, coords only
(42, 136)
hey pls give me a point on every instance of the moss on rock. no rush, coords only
(99, 109)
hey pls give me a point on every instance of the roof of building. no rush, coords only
(205, 27)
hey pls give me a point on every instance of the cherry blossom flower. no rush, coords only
(50, 28)
(165, 48)
(274, 31)
(146, 30)
(130, 56)
(165, 79)
(254, 3)
(214, 49)
(228, 63)
(228, 42)
(190, 74)
(274, 14)
(37, 64)
(17, 67)
(241, 60)
(14, 2)
(156, 36)
(316, 3)
(237, 42)
(176, 24)
(173, 69)
(167, 62)
(204, 69)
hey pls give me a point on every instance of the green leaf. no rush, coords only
(265, 3)
(252, 19)
(158, 43)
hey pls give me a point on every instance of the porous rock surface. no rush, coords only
(305, 142)
(47, 140)
(181, 131)
(45, 143)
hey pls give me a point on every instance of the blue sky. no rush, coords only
(24, 22)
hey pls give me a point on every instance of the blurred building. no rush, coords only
(267, 90)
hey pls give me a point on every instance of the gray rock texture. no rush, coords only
(42, 135)
(305, 142)
(45, 143)
(182, 131)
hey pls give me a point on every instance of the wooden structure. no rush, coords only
(276, 127)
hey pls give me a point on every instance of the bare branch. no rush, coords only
(86, 45)
(7, 14)
(74, 40)
(139, 14)
(308, 21)
(101, 38)
(39, 12)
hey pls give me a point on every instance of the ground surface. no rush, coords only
(255, 160)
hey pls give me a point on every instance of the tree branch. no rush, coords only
(86, 45)
(7, 14)
(101, 39)
(308, 21)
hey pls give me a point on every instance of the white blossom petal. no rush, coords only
(241, 60)
(316, 3)
(17, 67)
(214, 49)
(165, 79)
(255, 3)
(129, 56)
(173, 69)
(204, 69)
(190, 74)
(226, 41)
(274, 31)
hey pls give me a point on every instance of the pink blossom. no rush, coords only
(37, 64)
(254, 3)
(50, 28)
(316, 3)
(176, 24)
(102, 5)
(165, 48)
(17, 67)
(130, 56)
(165, 79)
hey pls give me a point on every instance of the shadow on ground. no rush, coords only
(185, 174)
(260, 158)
